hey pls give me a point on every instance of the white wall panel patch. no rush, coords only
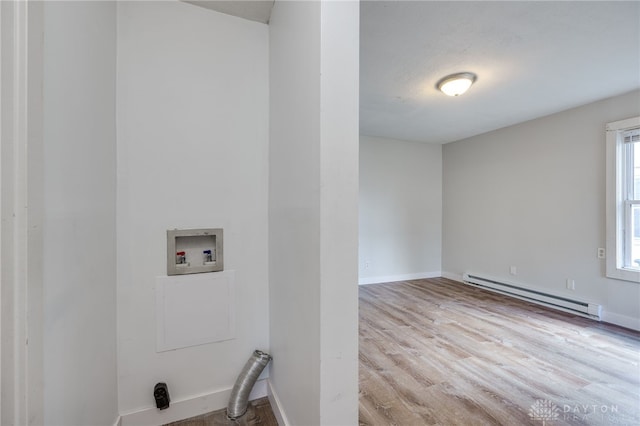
(194, 310)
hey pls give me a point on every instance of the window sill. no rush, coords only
(624, 274)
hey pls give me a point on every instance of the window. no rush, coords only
(623, 199)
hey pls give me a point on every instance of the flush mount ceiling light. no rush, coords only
(456, 84)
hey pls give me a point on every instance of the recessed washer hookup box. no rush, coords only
(193, 251)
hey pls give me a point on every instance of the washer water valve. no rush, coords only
(181, 259)
(208, 257)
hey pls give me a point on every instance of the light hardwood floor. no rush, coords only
(259, 413)
(437, 352)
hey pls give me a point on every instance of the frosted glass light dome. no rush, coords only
(456, 84)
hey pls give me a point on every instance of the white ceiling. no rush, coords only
(531, 58)
(254, 10)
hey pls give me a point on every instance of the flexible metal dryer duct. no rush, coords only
(240, 394)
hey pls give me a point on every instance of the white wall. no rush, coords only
(533, 196)
(339, 127)
(294, 208)
(192, 108)
(400, 210)
(79, 244)
(22, 205)
(313, 166)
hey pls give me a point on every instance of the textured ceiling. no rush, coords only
(532, 59)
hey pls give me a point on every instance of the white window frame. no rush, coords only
(617, 219)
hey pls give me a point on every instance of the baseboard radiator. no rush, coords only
(577, 307)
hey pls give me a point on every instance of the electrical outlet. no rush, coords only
(571, 284)
(367, 264)
(513, 270)
(601, 253)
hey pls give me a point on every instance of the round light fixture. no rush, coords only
(456, 84)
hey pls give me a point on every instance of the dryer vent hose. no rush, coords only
(240, 394)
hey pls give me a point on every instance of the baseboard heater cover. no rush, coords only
(577, 307)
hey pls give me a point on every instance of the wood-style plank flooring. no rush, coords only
(259, 413)
(437, 352)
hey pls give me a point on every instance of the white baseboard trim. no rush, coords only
(621, 320)
(188, 407)
(608, 317)
(452, 276)
(394, 278)
(276, 406)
